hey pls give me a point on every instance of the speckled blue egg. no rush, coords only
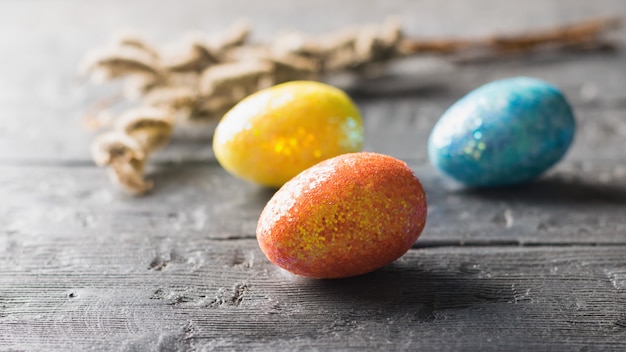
(503, 133)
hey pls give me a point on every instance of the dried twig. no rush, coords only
(207, 75)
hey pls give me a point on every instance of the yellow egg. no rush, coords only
(274, 134)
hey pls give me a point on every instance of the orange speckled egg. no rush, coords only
(276, 133)
(346, 216)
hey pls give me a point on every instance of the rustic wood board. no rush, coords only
(397, 122)
(43, 99)
(140, 292)
(576, 203)
(85, 267)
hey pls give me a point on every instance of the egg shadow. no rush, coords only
(257, 197)
(393, 88)
(204, 178)
(553, 190)
(399, 289)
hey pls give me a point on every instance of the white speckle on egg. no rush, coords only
(503, 133)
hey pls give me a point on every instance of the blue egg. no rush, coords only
(503, 133)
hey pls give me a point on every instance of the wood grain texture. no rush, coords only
(139, 293)
(42, 99)
(84, 267)
(579, 203)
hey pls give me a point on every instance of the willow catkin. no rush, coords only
(150, 127)
(125, 149)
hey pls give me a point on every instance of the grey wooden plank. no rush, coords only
(399, 123)
(83, 266)
(577, 202)
(42, 102)
(142, 292)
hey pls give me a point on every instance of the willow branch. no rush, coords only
(208, 74)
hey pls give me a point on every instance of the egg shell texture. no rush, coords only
(503, 133)
(272, 135)
(343, 217)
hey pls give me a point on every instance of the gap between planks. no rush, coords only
(426, 244)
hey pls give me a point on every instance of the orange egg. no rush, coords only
(346, 216)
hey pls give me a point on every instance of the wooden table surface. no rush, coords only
(86, 267)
